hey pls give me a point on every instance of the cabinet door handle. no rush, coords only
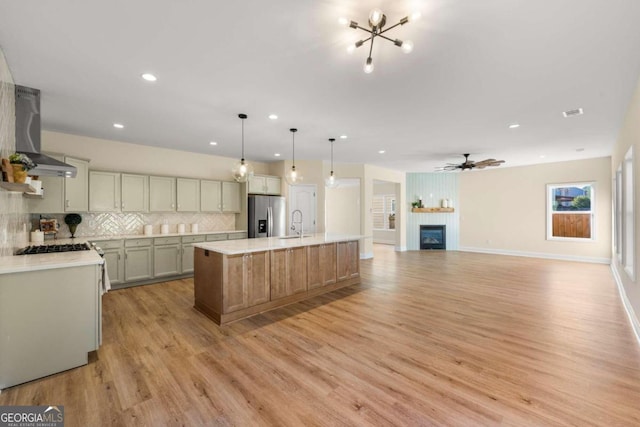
(172, 205)
(66, 203)
(122, 205)
(118, 256)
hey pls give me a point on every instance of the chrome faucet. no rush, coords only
(294, 222)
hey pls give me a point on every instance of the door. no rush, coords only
(166, 260)
(115, 270)
(162, 194)
(138, 263)
(188, 195)
(258, 216)
(278, 217)
(230, 197)
(210, 196)
(76, 190)
(135, 193)
(303, 198)
(104, 191)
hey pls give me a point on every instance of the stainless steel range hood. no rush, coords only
(28, 135)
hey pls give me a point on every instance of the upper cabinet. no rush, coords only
(76, 190)
(64, 194)
(262, 184)
(162, 194)
(135, 193)
(230, 197)
(216, 196)
(188, 195)
(104, 191)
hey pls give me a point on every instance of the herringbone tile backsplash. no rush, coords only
(114, 224)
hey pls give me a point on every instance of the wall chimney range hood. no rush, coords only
(28, 135)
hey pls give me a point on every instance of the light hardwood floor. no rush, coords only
(428, 338)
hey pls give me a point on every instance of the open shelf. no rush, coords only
(14, 186)
(432, 210)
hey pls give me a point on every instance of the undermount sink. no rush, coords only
(295, 237)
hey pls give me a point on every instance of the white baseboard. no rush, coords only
(400, 248)
(596, 260)
(635, 322)
(368, 255)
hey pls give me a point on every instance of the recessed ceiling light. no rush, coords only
(343, 136)
(149, 77)
(213, 143)
(118, 125)
(277, 154)
(542, 156)
(273, 116)
(579, 150)
(381, 152)
(514, 125)
(571, 113)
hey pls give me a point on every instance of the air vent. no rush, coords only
(571, 113)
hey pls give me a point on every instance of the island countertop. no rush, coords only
(240, 246)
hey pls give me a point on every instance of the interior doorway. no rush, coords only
(303, 197)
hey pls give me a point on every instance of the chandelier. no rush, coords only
(242, 171)
(377, 21)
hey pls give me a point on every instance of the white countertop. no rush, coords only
(21, 263)
(240, 246)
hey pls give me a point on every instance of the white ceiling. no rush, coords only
(477, 67)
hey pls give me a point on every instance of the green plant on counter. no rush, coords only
(415, 204)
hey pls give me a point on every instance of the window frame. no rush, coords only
(385, 213)
(550, 212)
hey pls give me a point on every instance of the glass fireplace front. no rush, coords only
(433, 237)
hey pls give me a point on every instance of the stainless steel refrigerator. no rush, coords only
(267, 216)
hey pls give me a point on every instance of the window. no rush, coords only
(571, 211)
(384, 212)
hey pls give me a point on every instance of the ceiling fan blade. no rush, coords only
(485, 161)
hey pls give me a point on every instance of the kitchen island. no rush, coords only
(239, 278)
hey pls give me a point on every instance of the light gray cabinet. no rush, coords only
(262, 184)
(64, 194)
(187, 252)
(76, 190)
(166, 256)
(114, 257)
(135, 193)
(104, 191)
(138, 255)
(162, 194)
(210, 196)
(230, 197)
(188, 195)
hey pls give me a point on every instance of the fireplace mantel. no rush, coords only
(432, 210)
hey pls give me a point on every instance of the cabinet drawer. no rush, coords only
(235, 236)
(215, 237)
(192, 239)
(108, 244)
(166, 240)
(136, 243)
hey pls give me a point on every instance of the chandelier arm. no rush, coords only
(371, 46)
(387, 29)
(386, 38)
(365, 29)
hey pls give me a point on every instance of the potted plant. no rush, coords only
(392, 221)
(21, 163)
(72, 220)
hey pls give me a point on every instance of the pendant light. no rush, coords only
(331, 181)
(242, 170)
(293, 176)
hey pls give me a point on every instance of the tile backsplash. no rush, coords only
(13, 216)
(114, 224)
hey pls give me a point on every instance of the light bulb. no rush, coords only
(242, 171)
(375, 17)
(368, 66)
(351, 48)
(293, 177)
(331, 181)
(343, 21)
(407, 46)
(414, 16)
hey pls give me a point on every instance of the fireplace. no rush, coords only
(433, 237)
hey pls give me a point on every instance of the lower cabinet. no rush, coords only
(288, 272)
(138, 257)
(166, 256)
(251, 272)
(114, 257)
(187, 252)
(321, 265)
(348, 260)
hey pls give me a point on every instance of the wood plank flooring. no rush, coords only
(428, 338)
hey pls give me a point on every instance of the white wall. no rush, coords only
(630, 137)
(343, 207)
(504, 210)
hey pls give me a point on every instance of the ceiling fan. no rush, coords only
(470, 164)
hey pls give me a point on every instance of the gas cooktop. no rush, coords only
(47, 249)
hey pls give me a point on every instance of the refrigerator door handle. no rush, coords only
(269, 222)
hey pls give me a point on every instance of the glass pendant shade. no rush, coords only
(242, 170)
(331, 181)
(293, 176)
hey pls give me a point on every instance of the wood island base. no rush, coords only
(233, 286)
